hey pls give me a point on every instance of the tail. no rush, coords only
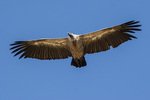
(78, 62)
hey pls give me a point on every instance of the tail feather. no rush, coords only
(78, 62)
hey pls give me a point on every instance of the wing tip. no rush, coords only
(132, 22)
(132, 26)
(16, 43)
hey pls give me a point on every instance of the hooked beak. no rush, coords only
(70, 35)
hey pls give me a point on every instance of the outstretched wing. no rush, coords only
(102, 40)
(42, 49)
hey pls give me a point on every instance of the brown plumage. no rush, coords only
(76, 46)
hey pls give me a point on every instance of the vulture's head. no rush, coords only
(71, 35)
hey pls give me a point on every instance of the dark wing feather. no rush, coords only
(42, 49)
(102, 40)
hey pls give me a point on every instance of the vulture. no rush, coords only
(76, 46)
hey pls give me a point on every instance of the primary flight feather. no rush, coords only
(76, 46)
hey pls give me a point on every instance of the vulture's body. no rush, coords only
(76, 46)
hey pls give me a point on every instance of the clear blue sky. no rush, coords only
(122, 73)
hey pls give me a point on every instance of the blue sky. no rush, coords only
(117, 74)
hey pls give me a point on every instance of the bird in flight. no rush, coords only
(76, 46)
